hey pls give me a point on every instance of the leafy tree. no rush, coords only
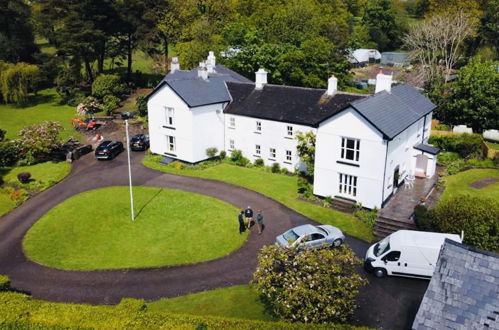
(312, 286)
(108, 84)
(16, 33)
(477, 217)
(141, 104)
(306, 151)
(40, 139)
(111, 103)
(472, 98)
(9, 154)
(17, 81)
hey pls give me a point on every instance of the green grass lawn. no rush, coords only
(493, 145)
(93, 230)
(241, 301)
(43, 176)
(458, 184)
(42, 107)
(282, 188)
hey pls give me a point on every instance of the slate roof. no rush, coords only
(391, 113)
(296, 105)
(427, 148)
(463, 292)
(196, 91)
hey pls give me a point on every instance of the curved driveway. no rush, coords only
(390, 303)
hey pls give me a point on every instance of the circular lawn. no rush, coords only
(94, 230)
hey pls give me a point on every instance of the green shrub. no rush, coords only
(223, 154)
(275, 168)
(304, 187)
(2, 134)
(285, 171)
(24, 177)
(108, 84)
(311, 285)
(478, 217)
(141, 104)
(466, 145)
(4, 283)
(9, 153)
(211, 152)
(367, 216)
(111, 103)
(238, 158)
(259, 162)
(424, 218)
(447, 157)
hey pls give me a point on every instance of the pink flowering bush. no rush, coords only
(88, 106)
(40, 139)
(313, 285)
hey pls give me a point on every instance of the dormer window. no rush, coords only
(350, 149)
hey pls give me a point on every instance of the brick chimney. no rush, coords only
(260, 79)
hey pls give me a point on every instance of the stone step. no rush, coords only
(342, 205)
(396, 223)
(381, 233)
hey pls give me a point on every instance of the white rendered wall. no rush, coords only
(194, 129)
(372, 149)
(272, 135)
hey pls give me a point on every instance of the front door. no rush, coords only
(421, 164)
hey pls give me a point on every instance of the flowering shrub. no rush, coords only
(88, 106)
(313, 286)
(36, 140)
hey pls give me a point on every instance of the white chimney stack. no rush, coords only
(383, 82)
(332, 86)
(260, 79)
(211, 59)
(209, 67)
(174, 65)
(202, 71)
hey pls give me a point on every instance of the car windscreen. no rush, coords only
(382, 246)
(290, 236)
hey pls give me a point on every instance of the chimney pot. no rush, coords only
(260, 78)
(174, 65)
(332, 86)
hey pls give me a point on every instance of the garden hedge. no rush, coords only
(466, 145)
(20, 311)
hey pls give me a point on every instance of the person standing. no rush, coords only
(242, 227)
(249, 216)
(259, 222)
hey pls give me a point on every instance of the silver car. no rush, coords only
(311, 237)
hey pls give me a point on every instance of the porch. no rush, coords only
(399, 210)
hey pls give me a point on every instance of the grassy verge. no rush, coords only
(458, 184)
(282, 188)
(93, 230)
(241, 301)
(41, 107)
(43, 176)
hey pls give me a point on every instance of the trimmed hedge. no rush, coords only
(22, 311)
(466, 145)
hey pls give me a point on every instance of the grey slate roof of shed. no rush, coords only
(463, 292)
(391, 113)
(295, 105)
(427, 148)
(196, 91)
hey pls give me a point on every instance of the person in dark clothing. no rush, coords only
(259, 222)
(242, 227)
(249, 216)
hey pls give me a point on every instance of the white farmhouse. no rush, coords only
(366, 145)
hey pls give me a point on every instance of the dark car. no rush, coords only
(139, 142)
(108, 149)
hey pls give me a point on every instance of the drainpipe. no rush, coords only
(384, 176)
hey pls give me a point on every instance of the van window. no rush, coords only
(382, 247)
(392, 256)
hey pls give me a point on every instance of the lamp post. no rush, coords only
(129, 170)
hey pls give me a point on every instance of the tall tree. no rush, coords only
(16, 32)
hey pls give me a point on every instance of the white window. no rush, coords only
(231, 145)
(272, 153)
(350, 149)
(258, 149)
(289, 155)
(232, 122)
(290, 130)
(258, 126)
(169, 112)
(348, 185)
(170, 143)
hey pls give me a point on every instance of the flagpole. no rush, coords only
(129, 169)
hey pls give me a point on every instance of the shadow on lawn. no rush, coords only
(148, 202)
(34, 100)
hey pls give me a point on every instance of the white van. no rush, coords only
(407, 253)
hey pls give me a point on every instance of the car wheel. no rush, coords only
(379, 272)
(336, 243)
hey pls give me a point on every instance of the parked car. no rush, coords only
(139, 142)
(108, 149)
(407, 253)
(127, 115)
(309, 236)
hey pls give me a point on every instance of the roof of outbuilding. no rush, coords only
(296, 105)
(392, 112)
(427, 148)
(463, 292)
(196, 91)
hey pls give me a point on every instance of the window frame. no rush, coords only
(232, 144)
(348, 185)
(258, 150)
(258, 127)
(232, 122)
(345, 149)
(272, 153)
(170, 116)
(289, 131)
(171, 143)
(289, 155)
